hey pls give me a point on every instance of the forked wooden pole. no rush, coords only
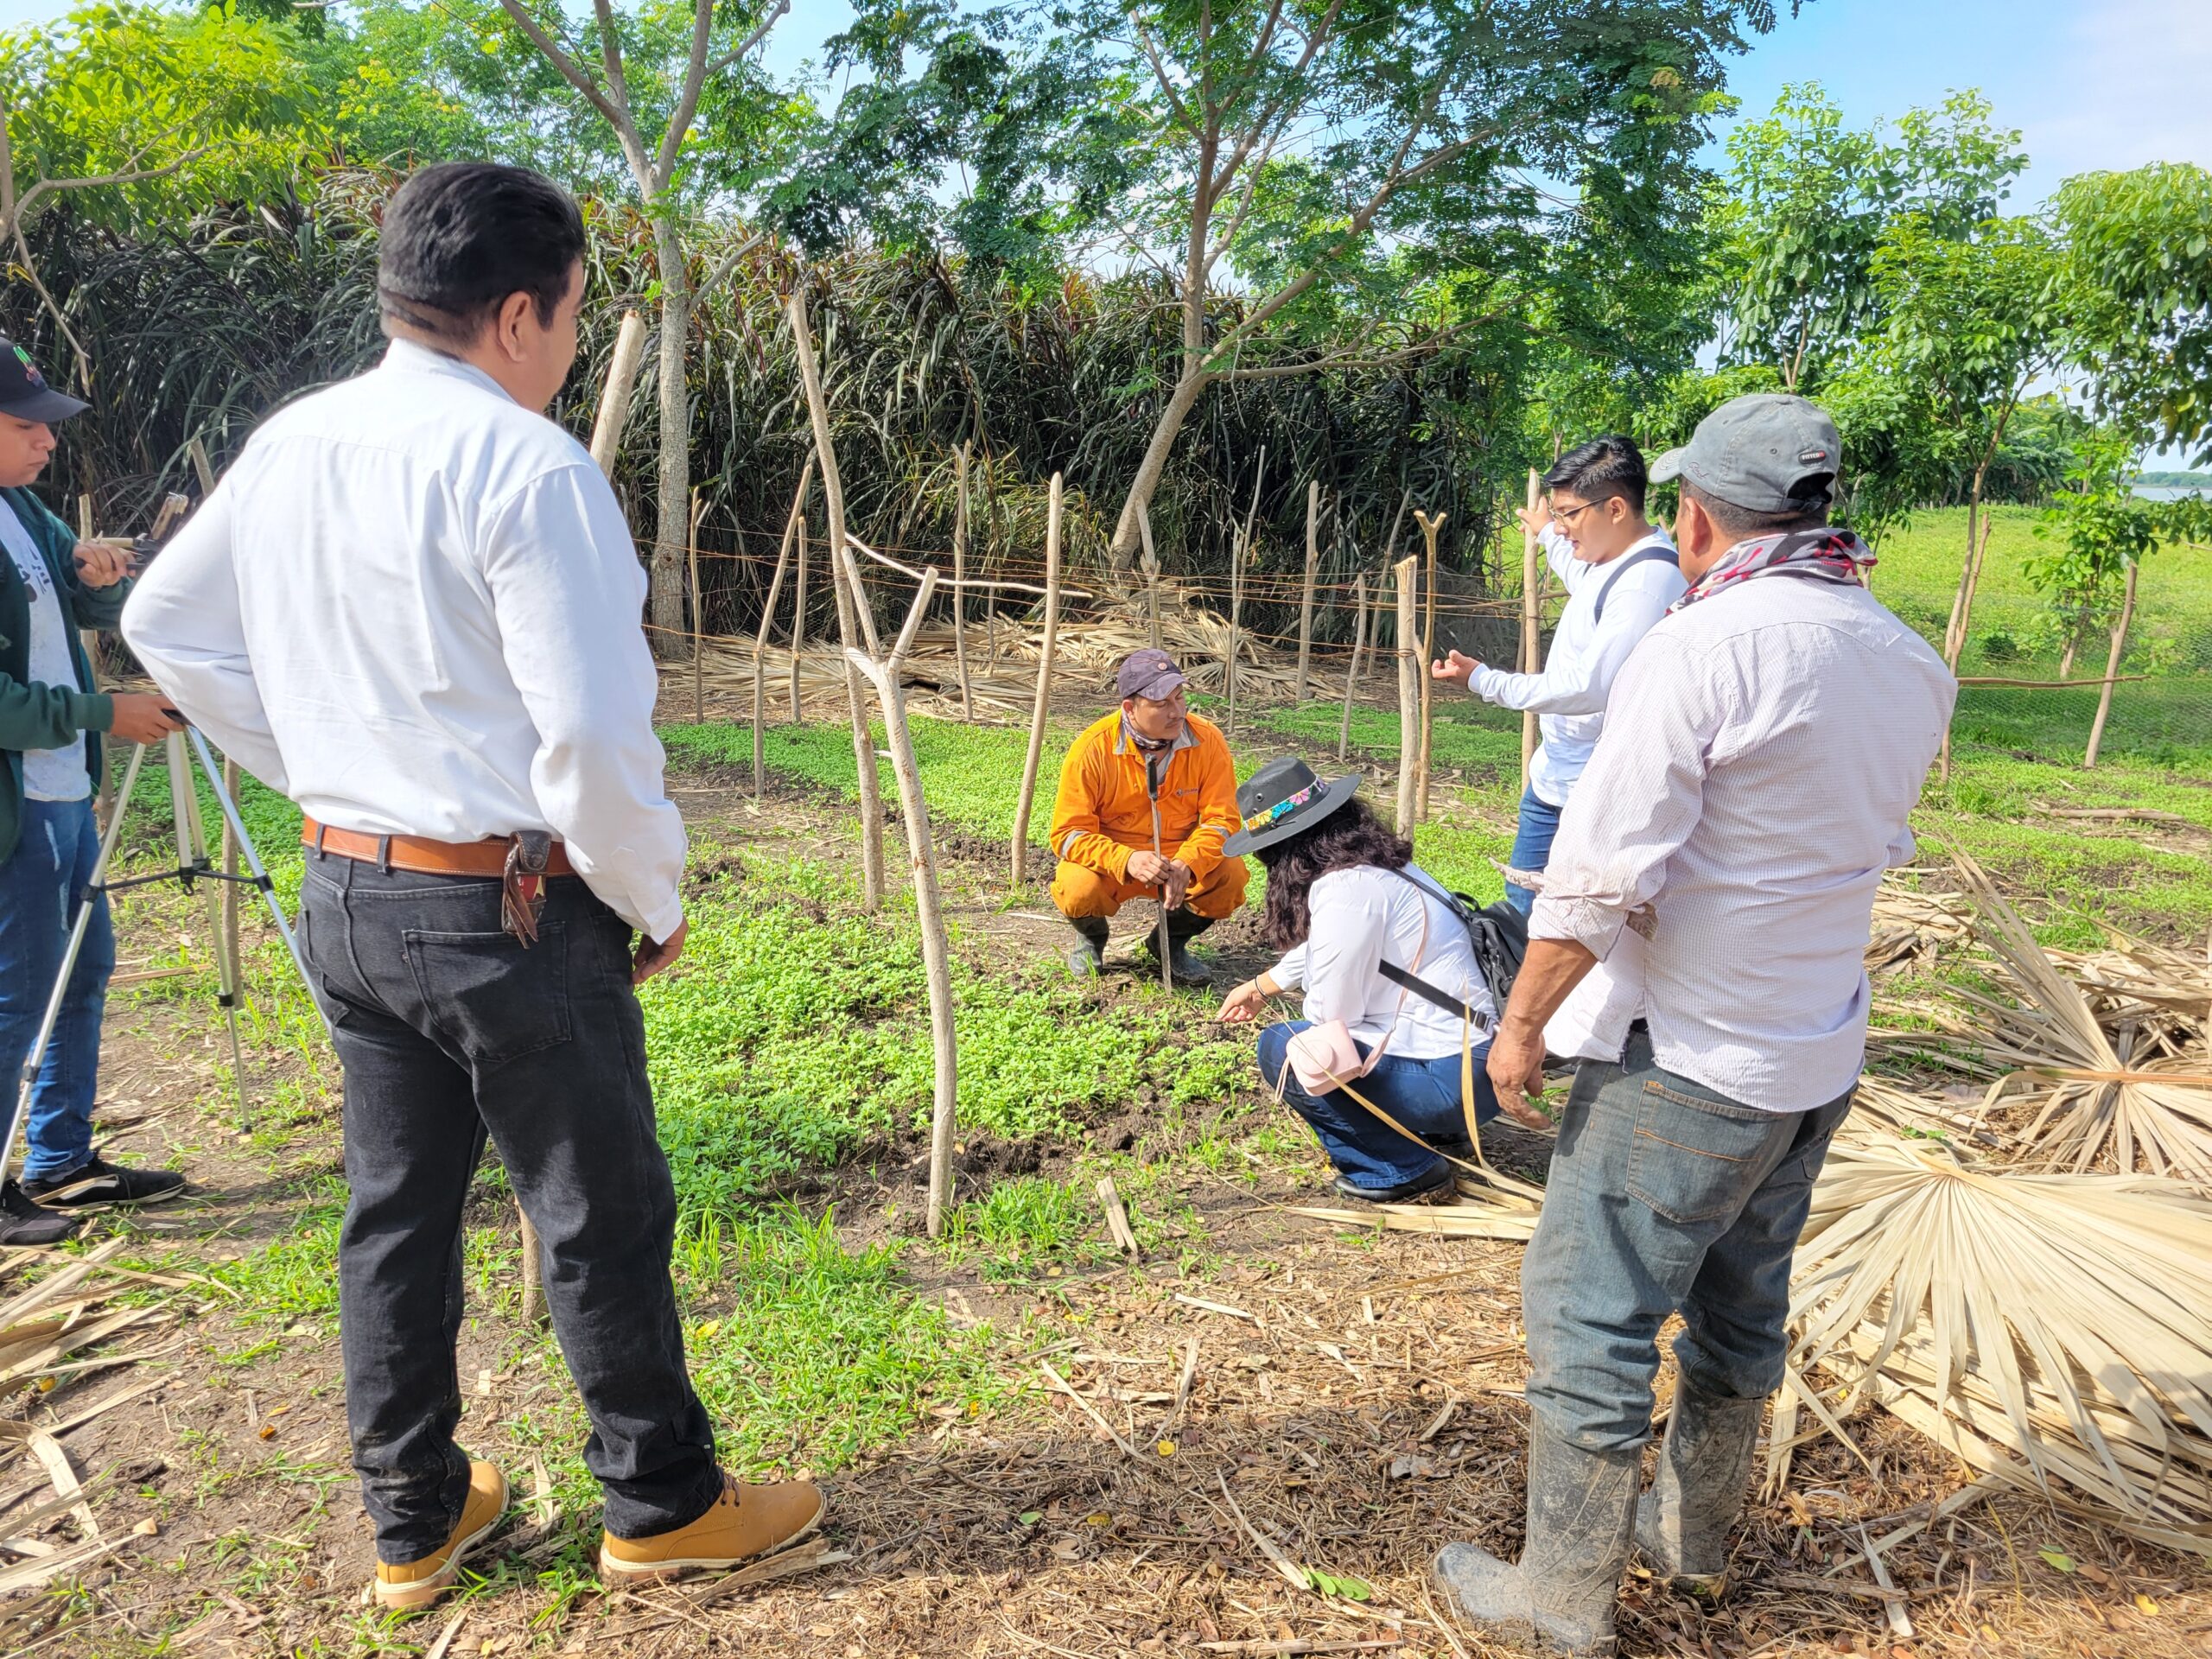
(959, 586)
(1410, 667)
(1044, 685)
(1428, 528)
(1351, 675)
(852, 607)
(1531, 628)
(1305, 594)
(791, 526)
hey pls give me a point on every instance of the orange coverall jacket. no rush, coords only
(1103, 813)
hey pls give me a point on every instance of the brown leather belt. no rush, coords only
(423, 856)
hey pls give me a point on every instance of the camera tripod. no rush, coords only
(194, 872)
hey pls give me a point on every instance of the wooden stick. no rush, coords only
(2111, 667)
(1408, 570)
(1352, 677)
(760, 639)
(1044, 684)
(1235, 626)
(848, 602)
(959, 586)
(1306, 595)
(1428, 528)
(929, 909)
(205, 470)
(614, 395)
(699, 637)
(533, 1272)
(1150, 565)
(799, 614)
(1117, 1219)
(1531, 629)
(913, 573)
(90, 639)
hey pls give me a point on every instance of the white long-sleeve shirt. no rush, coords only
(1586, 654)
(1765, 749)
(1363, 916)
(412, 605)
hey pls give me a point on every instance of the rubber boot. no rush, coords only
(1683, 1522)
(1182, 928)
(1088, 954)
(1560, 1598)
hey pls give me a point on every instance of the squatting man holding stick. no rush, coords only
(1620, 574)
(411, 605)
(1764, 748)
(1147, 795)
(52, 718)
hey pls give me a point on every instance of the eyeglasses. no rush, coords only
(1566, 515)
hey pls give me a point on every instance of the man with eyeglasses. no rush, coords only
(1620, 575)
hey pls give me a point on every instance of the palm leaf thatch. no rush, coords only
(2080, 1095)
(2053, 1330)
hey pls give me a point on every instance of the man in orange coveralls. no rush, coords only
(1147, 794)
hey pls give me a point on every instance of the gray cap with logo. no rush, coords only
(1767, 451)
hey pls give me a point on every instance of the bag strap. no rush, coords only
(1657, 551)
(1406, 978)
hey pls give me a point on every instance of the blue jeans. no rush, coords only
(40, 885)
(1423, 1095)
(1663, 1195)
(1532, 845)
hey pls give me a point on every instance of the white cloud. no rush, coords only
(2132, 85)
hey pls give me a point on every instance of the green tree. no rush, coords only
(1351, 165)
(139, 117)
(1808, 202)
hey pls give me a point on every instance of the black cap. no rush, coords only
(24, 392)
(1148, 674)
(1764, 452)
(1283, 799)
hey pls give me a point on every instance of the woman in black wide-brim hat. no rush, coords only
(1343, 897)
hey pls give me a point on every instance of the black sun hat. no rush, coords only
(24, 393)
(1285, 797)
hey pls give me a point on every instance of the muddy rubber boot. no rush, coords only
(1182, 928)
(1087, 955)
(1683, 1522)
(1560, 1598)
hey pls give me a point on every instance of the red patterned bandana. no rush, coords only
(1822, 555)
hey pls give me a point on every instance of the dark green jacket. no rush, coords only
(32, 716)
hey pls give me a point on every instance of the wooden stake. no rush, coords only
(699, 637)
(1352, 677)
(767, 617)
(1531, 629)
(1428, 528)
(1409, 666)
(614, 395)
(1312, 569)
(1117, 1219)
(1044, 684)
(959, 588)
(1150, 564)
(849, 602)
(2111, 667)
(921, 849)
(1235, 627)
(204, 469)
(799, 614)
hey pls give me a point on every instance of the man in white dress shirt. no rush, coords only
(412, 605)
(1764, 748)
(1620, 574)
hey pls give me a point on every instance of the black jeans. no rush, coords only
(448, 1027)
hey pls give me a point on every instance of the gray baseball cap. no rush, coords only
(1766, 452)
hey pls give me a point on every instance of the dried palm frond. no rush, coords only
(2165, 994)
(1909, 925)
(1465, 1220)
(2053, 1330)
(2086, 1099)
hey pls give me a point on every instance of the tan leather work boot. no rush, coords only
(417, 1584)
(746, 1523)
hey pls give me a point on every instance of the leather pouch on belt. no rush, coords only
(522, 886)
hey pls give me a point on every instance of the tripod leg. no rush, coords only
(78, 928)
(192, 854)
(252, 855)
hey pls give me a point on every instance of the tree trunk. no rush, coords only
(1955, 637)
(1127, 536)
(2112, 668)
(675, 440)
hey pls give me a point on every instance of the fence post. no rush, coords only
(1352, 675)
(1305, 594)
(2112, 668)
(699, 635)
(1408, 571)
(1428, 529)
(960, 587)
(1235, 626)
(798, 612)
(767, 618)
(1044, 685)
(1531, 630)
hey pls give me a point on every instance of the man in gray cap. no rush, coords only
(1147, 794)
(1763, 750)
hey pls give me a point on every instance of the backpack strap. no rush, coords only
(1657, 551)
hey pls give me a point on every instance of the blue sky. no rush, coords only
(2089, 83)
